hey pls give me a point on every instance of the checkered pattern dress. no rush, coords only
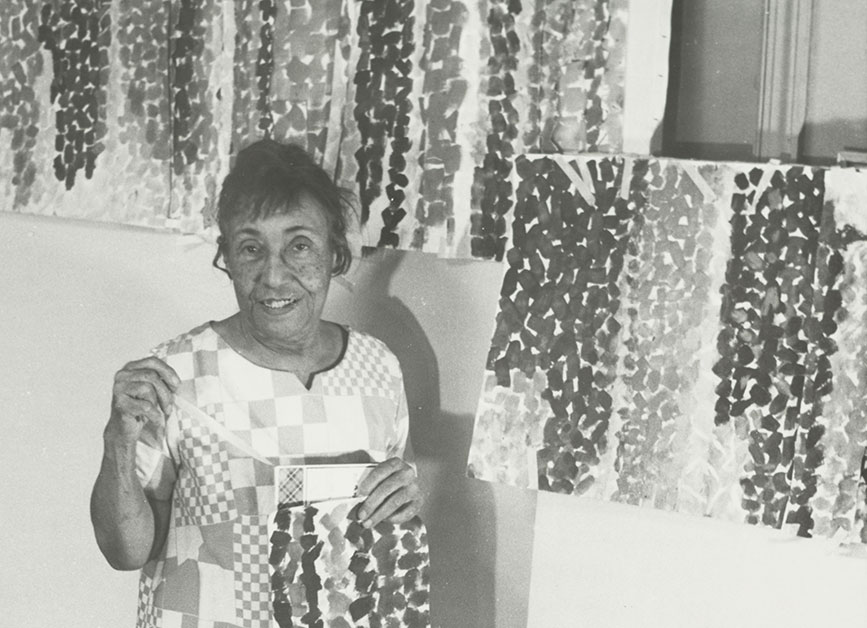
(216, 466)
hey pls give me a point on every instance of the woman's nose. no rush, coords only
(276, 270)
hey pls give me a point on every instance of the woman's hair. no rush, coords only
(268, 178)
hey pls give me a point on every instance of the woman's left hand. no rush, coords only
(392, 494)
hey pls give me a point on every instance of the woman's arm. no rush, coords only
(129, 525)
(130, 529)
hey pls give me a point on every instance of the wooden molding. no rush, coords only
(783, 91)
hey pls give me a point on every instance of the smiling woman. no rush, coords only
(199, 430)
(281, 266)
(283, 236)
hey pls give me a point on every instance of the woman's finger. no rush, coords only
(128, 379)
(379, 474)
(398, 505)
(153, 363)
(384, 489)
(139, 409)
(140, 390)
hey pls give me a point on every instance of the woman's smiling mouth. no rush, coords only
(277, 305)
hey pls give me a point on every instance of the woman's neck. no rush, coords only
(312, 353)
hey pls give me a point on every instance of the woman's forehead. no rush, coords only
(303, 211)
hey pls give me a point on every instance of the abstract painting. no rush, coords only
(326, 569)
(684, 335)
(131, 112)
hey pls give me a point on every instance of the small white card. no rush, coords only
(295, 485)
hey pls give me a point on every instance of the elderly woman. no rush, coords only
(179, 492)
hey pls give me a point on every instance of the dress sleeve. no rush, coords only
(153, 461)
(401, 446)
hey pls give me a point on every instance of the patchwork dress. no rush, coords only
(234, 421)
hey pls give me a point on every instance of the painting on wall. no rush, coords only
(687, 336)
(130, 112)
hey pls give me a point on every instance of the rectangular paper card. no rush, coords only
(305, 484)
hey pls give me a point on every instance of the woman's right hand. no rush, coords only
(143, 390)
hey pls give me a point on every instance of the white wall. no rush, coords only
(837, 88)
(618, 566)
(80, 299)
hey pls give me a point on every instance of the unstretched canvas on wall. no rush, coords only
(687, 336)
(130, 111)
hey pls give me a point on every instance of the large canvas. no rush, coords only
(130, 112)
(687, 336)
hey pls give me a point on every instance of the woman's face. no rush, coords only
(281, 268)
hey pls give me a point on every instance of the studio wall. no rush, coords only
(837, 58)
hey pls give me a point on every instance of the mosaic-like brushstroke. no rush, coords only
(715, 316)
(77, 34)
(20, 65)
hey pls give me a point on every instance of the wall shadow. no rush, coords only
(460, 513)
(819, 143)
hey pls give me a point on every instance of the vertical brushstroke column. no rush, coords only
(709, 457)
(265, 64)
(339, 88)
(603, 111)
(142, 48)
(838, 508)
(767, 298)
(20, 65)
(443, 92)
(78, 35)
(556, 323)
(247, 117)
(591, 79)
(189, 114)
(311, 580)
(306, 35)
(201, 54)
(492, 190)
(383, 84)
(365, 582)
(139, 140)
(549, 31)
(281, 582)
(818, 328)
(581, 363)
(665, 289)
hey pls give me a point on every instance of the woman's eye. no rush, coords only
(248, 249)
(301, 246)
